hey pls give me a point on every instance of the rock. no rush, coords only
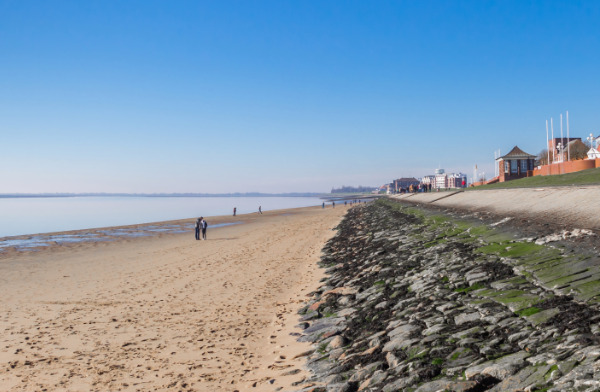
(401, 383)
(499, 368)
(392, 276)
(378, 377)
(447, 385)
(337, 342)
(466, 318)
(381, 305)
(399, 343)
(365, 371)
(518, 336)
(340, 291)
(392, 360)
(446, 307)
(434, 329)
(467, 332)
(404, 331)
(346, 312)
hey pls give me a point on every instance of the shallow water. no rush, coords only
(41, 240)
(21, 216)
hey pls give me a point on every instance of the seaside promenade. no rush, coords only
(576, 206)
(164, 312)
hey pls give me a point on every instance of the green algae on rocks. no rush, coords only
(425, 301)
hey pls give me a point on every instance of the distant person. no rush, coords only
(234, 211)
(333, 204)
(203, 225)
(323, 204)
(260, 210)
(345, 202)
(197, 226)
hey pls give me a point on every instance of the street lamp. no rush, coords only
(560, 149)
(592, 139)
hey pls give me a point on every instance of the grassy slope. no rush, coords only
(584, 177)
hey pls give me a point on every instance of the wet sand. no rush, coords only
(164, 312)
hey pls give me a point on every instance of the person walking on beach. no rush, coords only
(323, 204)
(203, 225)
(234, 211)
(260, 210)
(333, 204)
(197, 226)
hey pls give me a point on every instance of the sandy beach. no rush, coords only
(164, 312)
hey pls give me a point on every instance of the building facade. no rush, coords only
(440, 179)
(457, 180)
(404, 183)
(516, 164)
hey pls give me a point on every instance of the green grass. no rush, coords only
(584, 177)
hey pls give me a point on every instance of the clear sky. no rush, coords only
(283, 96)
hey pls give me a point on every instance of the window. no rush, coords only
(506, 166)
(513, 166)
(523, 165)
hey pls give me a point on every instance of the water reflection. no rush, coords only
(27, 243)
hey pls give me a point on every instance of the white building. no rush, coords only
(441, 179)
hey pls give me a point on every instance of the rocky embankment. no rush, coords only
(418, 301)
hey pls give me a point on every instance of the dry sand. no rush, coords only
(165, 312)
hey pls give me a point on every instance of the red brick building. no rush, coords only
(516, 164)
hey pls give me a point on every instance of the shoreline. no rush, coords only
(23, 217)
(166, 311)
(111, 234)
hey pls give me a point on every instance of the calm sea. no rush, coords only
(20, 216)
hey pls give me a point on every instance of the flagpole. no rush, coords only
(568, 139)
(547, 145)
(553, 146)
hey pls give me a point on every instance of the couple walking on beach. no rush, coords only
(201, 225)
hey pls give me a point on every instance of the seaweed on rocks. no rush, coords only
(415, 300)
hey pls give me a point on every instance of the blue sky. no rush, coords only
(283, 96)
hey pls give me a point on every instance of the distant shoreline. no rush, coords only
(250, 194)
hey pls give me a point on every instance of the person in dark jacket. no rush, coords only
(203, 226)
(197, 226)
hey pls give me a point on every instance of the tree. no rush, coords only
(578, 150)
(542, 158)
